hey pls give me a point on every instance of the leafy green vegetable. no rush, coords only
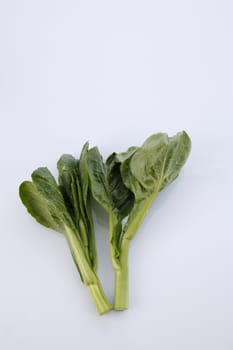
(63, 209)
(148, 171)
(126, 186)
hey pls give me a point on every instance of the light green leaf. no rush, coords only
(151, 168)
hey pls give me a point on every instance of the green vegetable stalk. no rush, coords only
(65, 208)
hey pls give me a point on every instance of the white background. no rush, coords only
(113, 73)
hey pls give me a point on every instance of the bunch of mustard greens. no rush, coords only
(125, 185)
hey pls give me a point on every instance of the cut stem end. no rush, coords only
(101, 303)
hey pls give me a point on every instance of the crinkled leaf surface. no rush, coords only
(151, 168)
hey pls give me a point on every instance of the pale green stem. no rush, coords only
(99, 298)
(121, 271)
(142, 209)
(121, 278)
(89, 278)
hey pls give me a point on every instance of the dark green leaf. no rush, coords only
(44, 201)
(122, 198)
(83, 169)
(84, 184)
(98, 179)
(72, 190)
(67, 169)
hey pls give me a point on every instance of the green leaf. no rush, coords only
(84, 184)
(142, 172)
(150, 169)
(72, 189)
(83, 169)
(98, 179)
(122, 198)
(44, 201)
(67, 169)
(39, 208)
(178, 151)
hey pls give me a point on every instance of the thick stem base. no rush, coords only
(101, 303)
(87, 274)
